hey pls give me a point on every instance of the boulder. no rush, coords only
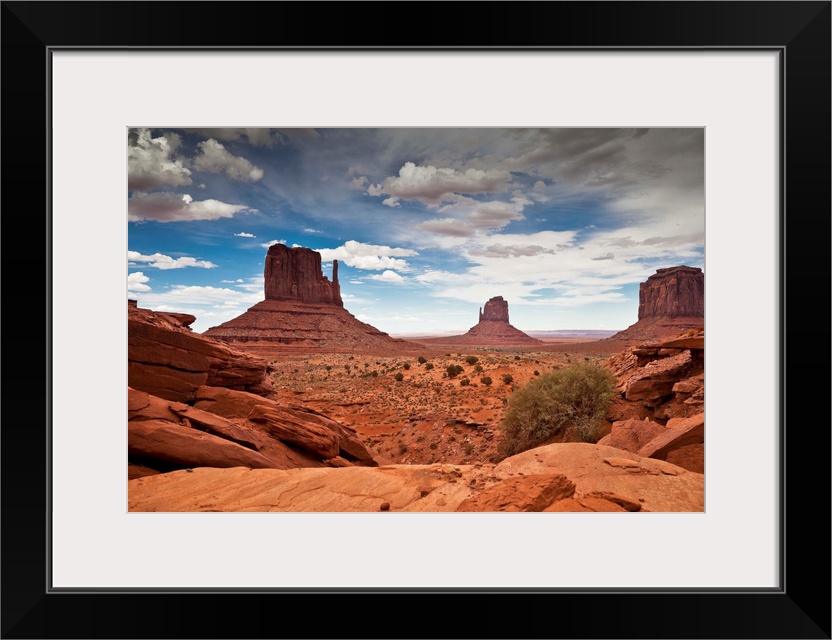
(632, 435)
(521, 493)
(166, 359)
(680, 432)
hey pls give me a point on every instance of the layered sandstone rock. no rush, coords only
(671, 301)
(496, 309)
(556, 477)
(234, 429)
(303, 309)
(169, 360)
(671, 293)
(493, 329)
(295, 274)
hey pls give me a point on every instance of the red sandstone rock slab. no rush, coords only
(318, 440)
(681, 432)
(655, 484)
(168, 360)
(182, 446)
(521, 493)
(632, 435)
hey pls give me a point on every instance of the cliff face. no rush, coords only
(295, 274)
(302, 309)
(495, 309)
(672, 293)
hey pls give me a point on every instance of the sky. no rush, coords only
(427, 224)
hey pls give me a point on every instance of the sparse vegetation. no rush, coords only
(454, 370)
(572, 401)
(399, 377)
(472, 359)
(422, 360)
(464, 382)
(536, 372)
(429, 366)
(486, 380)
(508, 378)
(406, 366)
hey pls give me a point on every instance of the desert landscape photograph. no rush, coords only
(416, 320)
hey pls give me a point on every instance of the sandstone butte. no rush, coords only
(303, 310)
(492, 330)
(671, 301)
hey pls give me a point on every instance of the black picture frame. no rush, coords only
(799, 608)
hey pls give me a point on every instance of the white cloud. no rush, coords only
(447, 227)
(214, 157)
(161, 261)
(358, 183)
(201, 185)
(136, 282)
(310, 230)
(152, 162)
(368, 256)
(388, 276)
(243, 234)
(432, 185)
(210, 305)
(163, 206)
(391, 202)
(266, 245)
(539, 185)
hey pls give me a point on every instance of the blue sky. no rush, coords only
(427, 224)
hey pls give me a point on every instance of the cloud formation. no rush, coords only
(431, 185)
(387, 276)
(153, 162)
(214, 157)
(245, 235)
(368, 256)
(163, 206)
(136, 282)
(161, 261)
(266, 245)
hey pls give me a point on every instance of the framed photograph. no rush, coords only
(84, 79)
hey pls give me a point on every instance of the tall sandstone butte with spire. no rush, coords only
(303, 309)
(296, 274)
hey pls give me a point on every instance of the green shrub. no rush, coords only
(422, 360)
(399, 376)
(464, 382)
(486, 380)
(536, 372)
(406, 366)
(472, 359)
(429, 366)
(454, 370)
(508, 378)
(478, 368)
(572, 401)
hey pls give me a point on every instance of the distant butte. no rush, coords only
(302, 309)
(670, 301)
(492, 330)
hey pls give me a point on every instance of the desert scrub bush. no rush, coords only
(572, 401)
(406, 366)
(508, 378)
(399, 376)
(422, 360)
(486, 380)
(454, 370)
(429, 366)
(472, 359)
(464, 382)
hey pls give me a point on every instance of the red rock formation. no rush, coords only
(496, 309)
(493, 329)
(167, 359)
(556, 477)
(295, 274)
(670, 301)
(671, 293)
(302, 310)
